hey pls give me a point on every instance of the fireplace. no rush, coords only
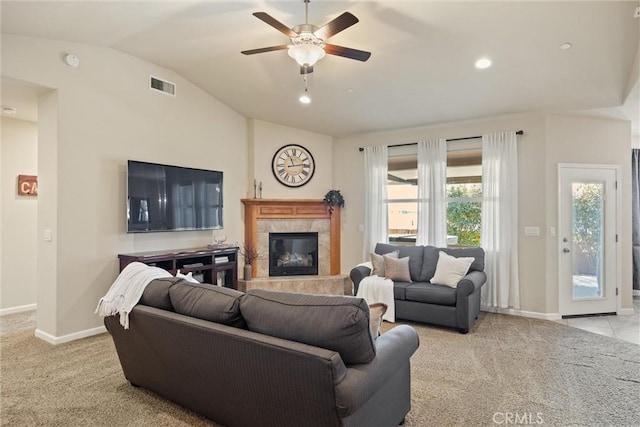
(293, 254)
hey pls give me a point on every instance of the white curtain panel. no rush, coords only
(432, 193)
(635, 215)
(500, 219)
(375, 199)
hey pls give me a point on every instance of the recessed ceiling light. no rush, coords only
(483, 63)
(565, 46)
(350, 90)
(304, 99)
(9, 110)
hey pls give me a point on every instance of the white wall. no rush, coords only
(537, 187)
(19, 156)
(100, 115)
(582, 139)
(266, 138)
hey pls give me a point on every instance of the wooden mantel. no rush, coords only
(255, 209)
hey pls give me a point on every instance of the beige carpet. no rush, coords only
(530, 370)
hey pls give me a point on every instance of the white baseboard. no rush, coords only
(625, 311)
(19, 309)
(70, 337)
(636, 292)
(522, 313)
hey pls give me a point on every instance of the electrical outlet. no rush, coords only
(637, 14)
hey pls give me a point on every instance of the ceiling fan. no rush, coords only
(308, 42)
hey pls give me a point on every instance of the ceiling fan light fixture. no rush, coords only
(306, 54)
(305, 98)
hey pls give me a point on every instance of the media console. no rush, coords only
(218, 266)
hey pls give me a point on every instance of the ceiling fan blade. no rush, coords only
(342, 22)
(306, 69)
(347, 52)
(264, 49)
(265, 17)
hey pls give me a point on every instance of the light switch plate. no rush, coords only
(532, 231)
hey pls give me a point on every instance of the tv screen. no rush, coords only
(169, 198)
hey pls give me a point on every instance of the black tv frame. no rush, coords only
(163, 220)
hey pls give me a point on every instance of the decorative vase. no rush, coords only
(247, 272)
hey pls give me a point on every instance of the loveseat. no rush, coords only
(266, 358)
(419, 300)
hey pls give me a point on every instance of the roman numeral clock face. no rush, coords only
(293, 165)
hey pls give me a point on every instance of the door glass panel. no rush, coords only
(587, 208)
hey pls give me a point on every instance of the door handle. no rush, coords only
(565, 250)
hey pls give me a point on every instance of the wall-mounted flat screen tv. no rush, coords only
(172, 198)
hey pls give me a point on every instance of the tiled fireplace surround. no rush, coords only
(264, 216)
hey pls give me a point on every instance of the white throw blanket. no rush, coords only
(378, 289)
(127, 290)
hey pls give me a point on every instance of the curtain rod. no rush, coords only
(520, 132)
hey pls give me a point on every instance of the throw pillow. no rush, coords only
(376, 311)
(450, 270)
(397, 269)
(378, 262)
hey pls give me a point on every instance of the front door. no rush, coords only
(588, 236)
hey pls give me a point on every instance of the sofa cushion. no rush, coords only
(396, 268)
(377, 262)
(208, 302)
(415, 254)
(400, 290)
(450, 270)
(432, 294)
(338, 323)
(432, 253)
(156, 293)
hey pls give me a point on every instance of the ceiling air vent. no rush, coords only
(162, 86)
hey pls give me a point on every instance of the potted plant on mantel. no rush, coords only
(333, 198)
(250, 254)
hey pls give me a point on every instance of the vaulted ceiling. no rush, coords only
(421, 70)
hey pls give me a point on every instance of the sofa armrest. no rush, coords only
(471, 283)
(393, 351)
(357, 274)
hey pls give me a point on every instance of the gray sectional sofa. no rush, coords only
(421, 301)
(266, 358)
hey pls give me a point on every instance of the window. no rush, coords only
(464, 195)
(402, 193)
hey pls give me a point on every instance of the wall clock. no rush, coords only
(293, 165)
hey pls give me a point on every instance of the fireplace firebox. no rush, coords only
(293, 254)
